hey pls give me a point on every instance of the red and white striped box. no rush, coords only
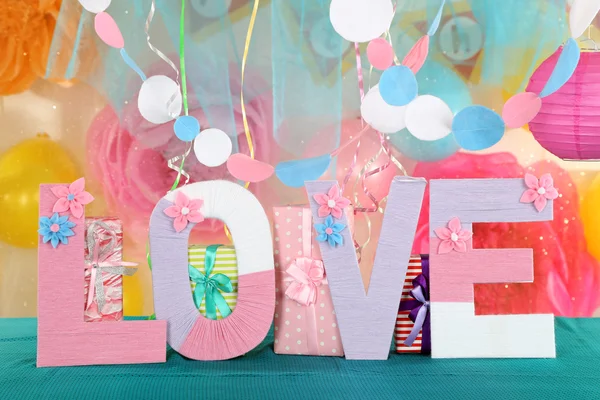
(403, 323)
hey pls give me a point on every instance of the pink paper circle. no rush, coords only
(108, 31)
(520, 109)
(380, 53)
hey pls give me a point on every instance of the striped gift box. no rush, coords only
(226, 264)
(403, 323)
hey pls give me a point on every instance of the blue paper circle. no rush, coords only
(398, 85)
(186, 128)
(477, 128)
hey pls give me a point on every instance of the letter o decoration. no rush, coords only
(188, 331)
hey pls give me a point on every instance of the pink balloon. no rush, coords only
(380, 53)
(521, 109)
(417, 55)
(108, 31)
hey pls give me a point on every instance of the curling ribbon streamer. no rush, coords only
(209, 287)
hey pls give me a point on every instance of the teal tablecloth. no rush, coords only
(261, 374)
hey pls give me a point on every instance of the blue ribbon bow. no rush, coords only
(211, 286)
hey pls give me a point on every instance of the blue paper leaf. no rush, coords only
(436, 22)
(294, 173)
(398, 85)
(564, 68)
(477, 128)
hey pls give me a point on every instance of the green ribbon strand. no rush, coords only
(209, 287)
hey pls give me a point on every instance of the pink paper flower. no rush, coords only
(453, 237)
(72, 198)
(540, 191)
(184, 210)
(331, 203)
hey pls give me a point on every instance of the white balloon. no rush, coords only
(154, 97)
(95, 6)
(581, 16)
(380, 115)
(428, 118)
(361, 20)
(212, 147)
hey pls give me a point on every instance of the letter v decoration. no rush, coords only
(366, 320)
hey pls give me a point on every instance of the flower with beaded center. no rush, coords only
(56, 229)
(539, 191)
(330, 232)
(184, 210)
(331, 203)
(453, 238)
(71, 198)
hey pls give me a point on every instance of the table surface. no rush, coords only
(261, 374)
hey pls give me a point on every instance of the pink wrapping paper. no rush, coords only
(302, 329)
(113, 284)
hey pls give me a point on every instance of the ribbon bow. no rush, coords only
(98, 261)
(419, 307)
(306, 275)
(211, 286)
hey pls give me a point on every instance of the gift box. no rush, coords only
(104, 270)
(214, 279)
(305, 322)
(413, 327)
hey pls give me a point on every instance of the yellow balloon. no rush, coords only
(133, 296)
(22, 169)
(591, 217)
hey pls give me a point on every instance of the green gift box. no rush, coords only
(214, 279)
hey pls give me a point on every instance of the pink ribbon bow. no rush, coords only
(305, 274)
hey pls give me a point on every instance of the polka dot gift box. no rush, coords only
(305, 321)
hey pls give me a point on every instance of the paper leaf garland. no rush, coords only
(477, 128)
(246, 169)
(64, 338)
(189, 332)
(367, 322)
(455, 330)
(582, 15)
(361, 20)
(380, 115)
(564, 68)
(436, 21)
(295, 172)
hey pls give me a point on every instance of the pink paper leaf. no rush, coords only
(108, 31)
(417, 55)
(246, 169)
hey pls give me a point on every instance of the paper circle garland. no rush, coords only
(186, 128)
(189, 332)
(520, 109)
(154, 97)
(212, 147)
(380, 115)
(380, 53)
(95, 6)
(477, 128)
(107, 30)
(361, 20)
(428, 118)
(398, 85)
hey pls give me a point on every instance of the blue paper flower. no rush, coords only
(56, 229)
(330, 232)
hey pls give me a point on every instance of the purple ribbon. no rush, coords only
(419, 308)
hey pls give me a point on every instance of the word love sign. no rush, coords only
(366, 318)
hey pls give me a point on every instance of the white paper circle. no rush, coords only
(380, 115)
(211, 8)
(153, 100)
(212, 147)
(428, 118)
(361, 20)
(95, 6)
